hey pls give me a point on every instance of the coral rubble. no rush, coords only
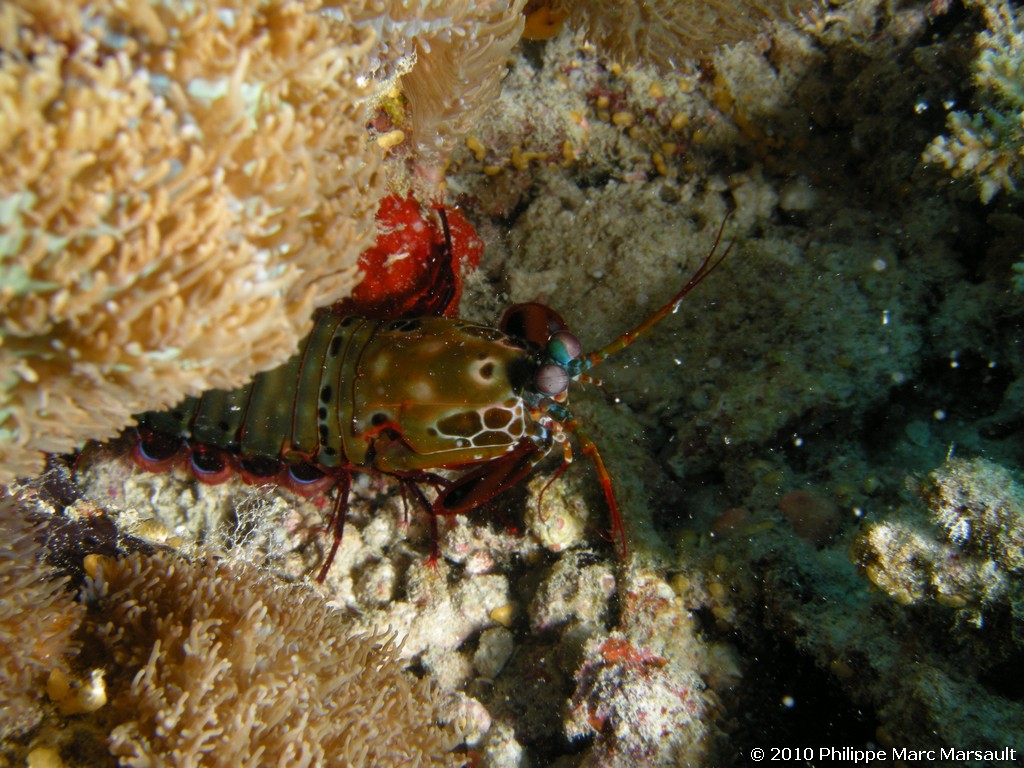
(986, 144)
(966, 553)
(641, 713)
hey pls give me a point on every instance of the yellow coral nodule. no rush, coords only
(44, 757)
(504, 614)
(93, 565)
(543, 23)
(476, 147)
(74, 697)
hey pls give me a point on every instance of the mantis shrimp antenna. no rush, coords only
(709, 265)
(577, 365)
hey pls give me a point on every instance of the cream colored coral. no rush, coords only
(459, 69)
(180, 185)
(37, 619)
(450, 56)
(667, 32)
(213, 666)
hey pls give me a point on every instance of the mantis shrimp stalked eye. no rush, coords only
(402, 397)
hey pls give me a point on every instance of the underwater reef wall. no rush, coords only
(815, 458)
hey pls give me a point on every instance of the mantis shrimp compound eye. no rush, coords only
(551, 380)
(563, 347)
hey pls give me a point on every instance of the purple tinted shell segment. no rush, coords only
(551, 380)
